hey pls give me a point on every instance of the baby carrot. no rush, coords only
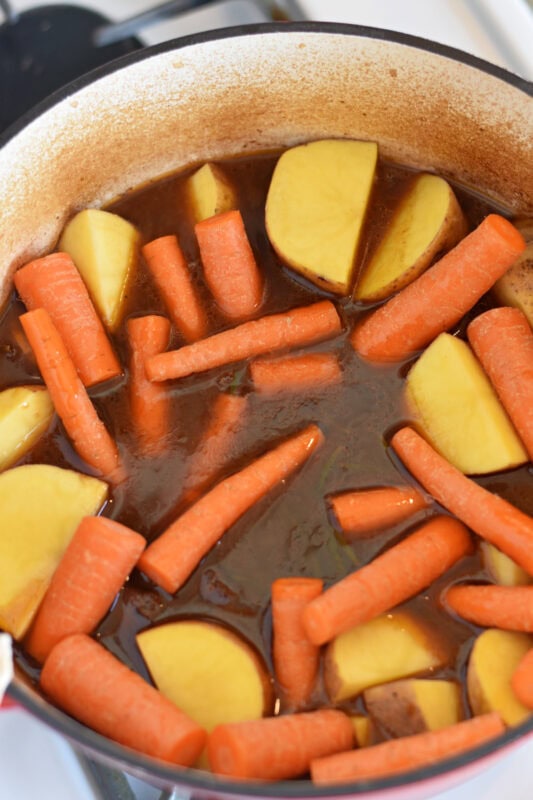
(368, 510)
(295, 658)
(71, 401)
(275, 748)
(522, 680)
(98, 560)
(295, 373)
(507, 607)
(230, 268)
(406, 753)
(54, 283)
(175, 554)
(438, 299)
(503, 341)
(392, 577)
(295, 328)
(488, 515)
(170, 272)
(88, 682)
(149, 402)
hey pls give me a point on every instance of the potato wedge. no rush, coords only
(40, 508)
(458, 411)
(406, 707)
(502, 569)
(316, 206)
(494, 657)
(515, 288)
(104, 248)
(25, 413)
(365, 734)
(209, 192)
(391, 646)
(525, 226)
(427, 221)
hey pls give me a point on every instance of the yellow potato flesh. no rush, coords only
(458, 411)
(363, 730)
(502, 569)
(493, 659)
(515, 288)
(210, 192)
(316, 206)
(406, 707)
(388, 647)
(40, 508)
(25, 413)
(104, 248)
(427, 221)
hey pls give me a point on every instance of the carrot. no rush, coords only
(149, 402)
(170, 272)
(368, 510)
(439, 298)
(71, 401)
(406, 753)
(54, 283)
(276, 748)
(394, 576)
(295, 658)
(295, 328)
(488, 515)
(503, 341)
(99, 558)
(522, 680)
(88, 682)
(171, 559)
(225, 418)
(230, 268)
(507, 607)
(295, 373)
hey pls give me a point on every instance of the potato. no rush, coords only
(40, 508)
(515, 288)
(458, 411)
(494, 657)
(391, 646)
(365, 734)
(210, 192)
(104, 248)
(525, 226)
(427, 221)
(316, 206)
(406, 707)
(25, 413)
(502, 569)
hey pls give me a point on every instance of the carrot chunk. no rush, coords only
(522, 680)
(295, 373)
(276, 748)
(88, 682)
(365, 511)
(507, 607)
(99, 558)
(394, 576)
(438, 299)
(54, 283)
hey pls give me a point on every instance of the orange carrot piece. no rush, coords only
(230, 268)
(368, 510)
(71, 401)
(98, 560)
(295, 328)
(295, 658)
(488, 515)
(507, 607)
(406, 753)
(295, 373)
(88, 682)
(171, 559)
(394, 576)
(522, 680)
(503, 341)
(54, 283)
(439, 298)
(225, 419)
(149, 402)
(276, 748)
(170, 272)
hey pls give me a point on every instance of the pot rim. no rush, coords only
(112, 751)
